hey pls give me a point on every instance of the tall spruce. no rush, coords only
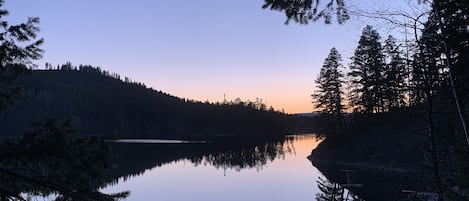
(328, 97)
(427, 67)
(394, 75)
(444, 56)
(367, 73)
(453, 22)
(429, 79)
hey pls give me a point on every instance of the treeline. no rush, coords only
(68, 66)
(99, 103)
(387, 76)
(404, 100)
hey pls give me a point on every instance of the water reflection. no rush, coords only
(235, 170)
(371, 184)
(134, 159)
(332, 191)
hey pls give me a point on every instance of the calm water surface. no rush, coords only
(279, 171)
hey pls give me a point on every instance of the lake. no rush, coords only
(226, 171)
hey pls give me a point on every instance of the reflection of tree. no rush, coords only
(134, 159)
(331, 191)
(239, 158)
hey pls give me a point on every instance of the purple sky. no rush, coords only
(193, 49)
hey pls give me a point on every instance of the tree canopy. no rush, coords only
(305, 11)
(367, 71)
(46, 160)
(328, 97)
(18, 48)
(428, 86)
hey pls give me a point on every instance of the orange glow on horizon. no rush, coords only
(290, 99)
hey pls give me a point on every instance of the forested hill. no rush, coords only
(100, 103)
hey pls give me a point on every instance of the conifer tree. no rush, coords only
(367, 72)
(426, 76)
(18, 47)
(46, 160)
(452, 19)
(328, 97)
(329, 190)
(442, 62)
(394, 86)
(307, 11)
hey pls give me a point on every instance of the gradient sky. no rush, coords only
(193, 49)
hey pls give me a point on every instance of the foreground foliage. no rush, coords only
(47, 161)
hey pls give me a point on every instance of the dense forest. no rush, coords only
(402, 105)
(99, 103)
(51, 120)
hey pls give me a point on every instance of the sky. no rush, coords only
(200, 50)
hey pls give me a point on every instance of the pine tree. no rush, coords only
(46, 160)
(18, 47)
(367, 72)
(329, 190)
(452, 19)
(394, 86)
(426, 76)
(307, 11)
(328, 97)
(442, 63)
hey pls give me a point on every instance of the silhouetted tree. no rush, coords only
(100, 104)
(328, 97)
(452, 18)
(18, 46)
(443, 50)
(304, 11)
(367, 72)
(394, 75)
(438, 87)
(46, 160)
(426, 74)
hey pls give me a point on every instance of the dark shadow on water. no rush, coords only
(60, 167)
(133, 159)
(334, 191)
(374, 184)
